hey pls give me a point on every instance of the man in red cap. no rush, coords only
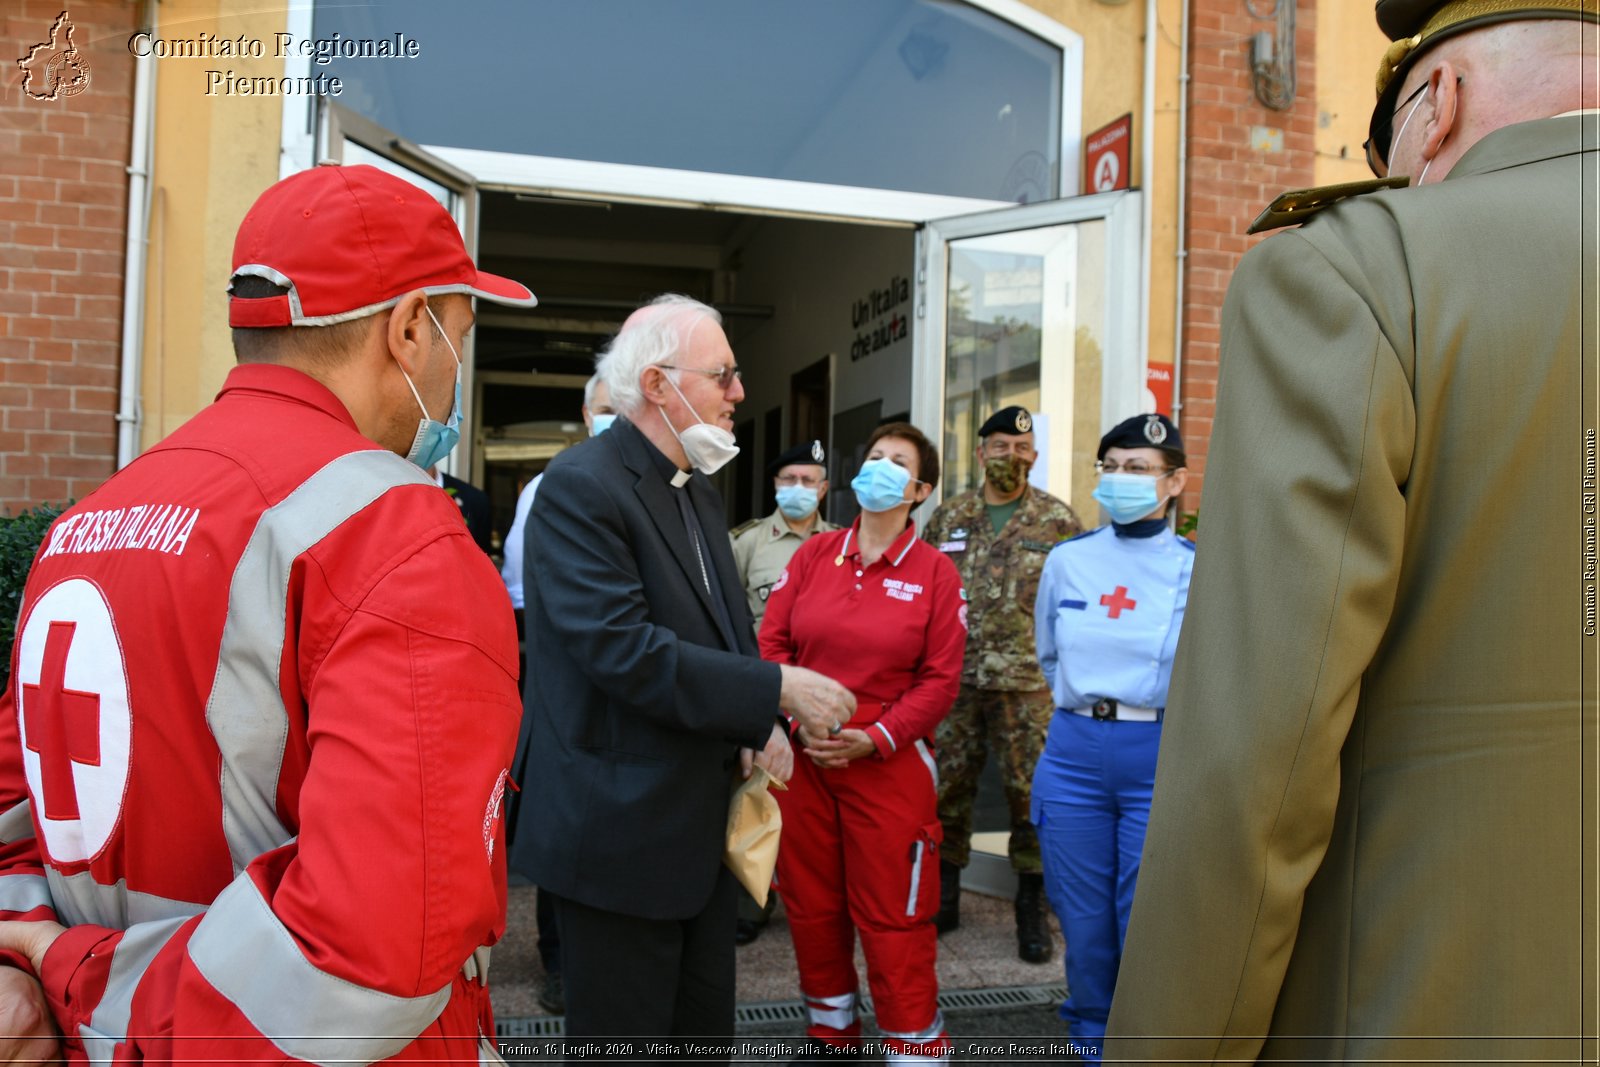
(254, 757)
(1373, 835)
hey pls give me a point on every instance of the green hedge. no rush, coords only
(20, 537)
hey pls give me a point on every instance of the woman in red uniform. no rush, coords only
(883, 612)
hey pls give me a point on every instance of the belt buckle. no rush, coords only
(1105, 708)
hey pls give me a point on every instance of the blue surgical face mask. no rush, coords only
(881, 485)
(435, 439)
(797, 501)
(599, 424)
(1128, 497)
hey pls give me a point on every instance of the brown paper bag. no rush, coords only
(754, 824)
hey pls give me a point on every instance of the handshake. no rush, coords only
(820, 707)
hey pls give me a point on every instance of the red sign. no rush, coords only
(1158, 380)
(1107, 158)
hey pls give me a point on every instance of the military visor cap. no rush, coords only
(1416, 25)
(1013, 420)
(1142, 431)
(807, 452)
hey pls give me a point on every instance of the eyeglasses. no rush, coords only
(725, 376)
(796, 479)
(1380, 134)
(1137, 466)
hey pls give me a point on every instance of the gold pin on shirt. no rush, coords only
(838, 561)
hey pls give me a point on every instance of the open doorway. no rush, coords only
(790, 292)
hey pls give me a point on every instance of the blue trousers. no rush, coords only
(1091, 804)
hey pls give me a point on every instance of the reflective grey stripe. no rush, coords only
(837, 1012)
(887, 736)
(246, 954)
(245, 711)
(932, 1033)
(79, 899)
(24, 892)
(16, 824)
(916, 877)
(108, 1026)
(927, 759)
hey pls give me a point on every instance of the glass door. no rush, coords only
(1038, 306)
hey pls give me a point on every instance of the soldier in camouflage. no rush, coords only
(998, 536)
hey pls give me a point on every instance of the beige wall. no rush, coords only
(213, 156)
(1349, 46)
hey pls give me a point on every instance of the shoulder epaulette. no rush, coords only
(1186, 543)
(743, 526)
(1299, 205)
(1080, 537)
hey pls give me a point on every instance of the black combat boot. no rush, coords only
(1033, 933)
(949, 916)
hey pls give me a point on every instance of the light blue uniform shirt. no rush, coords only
(1108, 614)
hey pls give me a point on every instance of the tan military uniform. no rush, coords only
(762, 548)
(1373, 832)
(1004, 702)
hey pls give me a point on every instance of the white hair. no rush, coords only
(653, 334)
(588, 389)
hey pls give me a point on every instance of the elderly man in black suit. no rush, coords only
(646, 691)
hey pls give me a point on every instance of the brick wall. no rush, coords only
(63, 207)
(1229, 181)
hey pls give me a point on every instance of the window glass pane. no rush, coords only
(929, 96)
(1026, 325)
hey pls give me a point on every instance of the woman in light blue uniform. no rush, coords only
(1106, 622)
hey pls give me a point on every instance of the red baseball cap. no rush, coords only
(348, 242)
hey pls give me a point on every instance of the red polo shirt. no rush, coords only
(893, 633)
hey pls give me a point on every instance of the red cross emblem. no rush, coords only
(63, 725)
(1117, 601)
(73, 717)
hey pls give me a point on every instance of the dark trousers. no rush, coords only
(544, 911)
(632, 977)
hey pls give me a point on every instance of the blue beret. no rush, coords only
(1142, 431)
(805, 452)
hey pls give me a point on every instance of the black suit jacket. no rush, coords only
(474, 505)
(636, 699)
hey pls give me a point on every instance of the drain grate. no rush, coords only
(781, 1011)
(1007, 997)
(531, 1026)
(748, 1016)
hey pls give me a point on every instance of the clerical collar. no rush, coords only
(1142, 528)
(669, 470)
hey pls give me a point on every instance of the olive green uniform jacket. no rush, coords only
(1370, 810)
(1000, 573)
(762, 548)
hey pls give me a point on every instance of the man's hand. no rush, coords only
(816, 702)
(831, 752)
(777, 759)
(27, 1032)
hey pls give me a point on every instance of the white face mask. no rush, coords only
(708, 448)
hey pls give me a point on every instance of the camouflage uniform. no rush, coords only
(1004, 702)
(762, 548)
